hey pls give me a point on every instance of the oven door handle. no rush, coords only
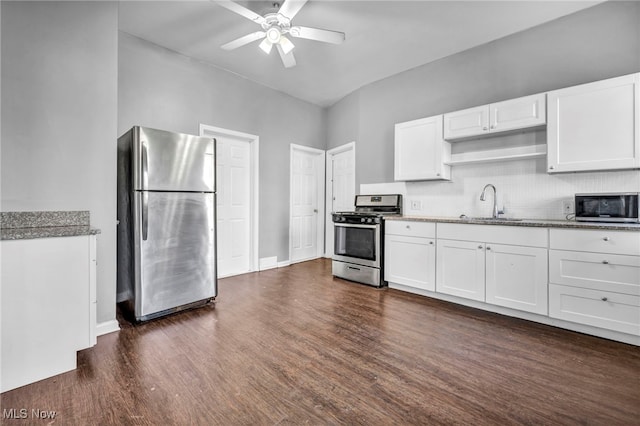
(349, 225)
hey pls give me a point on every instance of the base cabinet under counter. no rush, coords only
(586, 280)
(410, 254)
(598, 308)
(48, 306)
(594, 278)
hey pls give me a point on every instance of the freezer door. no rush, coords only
(175, 249)
(166, 161)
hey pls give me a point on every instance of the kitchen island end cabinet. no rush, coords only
(48, 306)
(410, 254)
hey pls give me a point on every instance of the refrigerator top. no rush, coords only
(167, 161)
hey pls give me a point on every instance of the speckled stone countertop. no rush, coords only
(571, 224)
(30, 225)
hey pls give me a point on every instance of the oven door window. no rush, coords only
(355, 242)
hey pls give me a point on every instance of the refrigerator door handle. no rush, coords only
(145, 167)
(145, 214)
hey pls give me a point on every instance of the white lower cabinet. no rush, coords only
(598, 308)
(504, 266)
(594, 278)
(460, 269)
(48, 306)
(588, 277)
(410, 254)
(516, 277)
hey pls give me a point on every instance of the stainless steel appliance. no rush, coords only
(166, 222)
(608, 207)
(359, 237)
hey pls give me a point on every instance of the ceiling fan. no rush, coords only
(275, 26)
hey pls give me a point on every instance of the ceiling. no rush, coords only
(382, 37)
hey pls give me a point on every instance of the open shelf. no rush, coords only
(502, 154)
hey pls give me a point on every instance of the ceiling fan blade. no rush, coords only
(288, 60)
(241, 10)
(243, 40)
(290, 8)
(326, 36)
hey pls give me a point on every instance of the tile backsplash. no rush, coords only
(524, 188)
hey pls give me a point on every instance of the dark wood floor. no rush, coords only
(296, 346)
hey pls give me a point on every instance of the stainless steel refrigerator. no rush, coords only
(166, 222)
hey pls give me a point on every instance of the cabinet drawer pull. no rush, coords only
(605, 239)
(408, 227)
(431, 242)
(606, 262)
(484, 128)
(551, 167)
(604, 299)
(488, 248)
(480, 247)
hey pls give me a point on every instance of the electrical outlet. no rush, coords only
(416, 205)
(567, 206)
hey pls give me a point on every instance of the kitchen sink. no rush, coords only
(491, 219)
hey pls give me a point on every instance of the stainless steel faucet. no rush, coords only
(496, 212)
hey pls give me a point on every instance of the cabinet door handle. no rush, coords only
(551, 167)
(408, 227)
(484, 128)
(488, 248)
(431, 242)
(604, 299)
(480, 247)
(605, 239)
(606, 262)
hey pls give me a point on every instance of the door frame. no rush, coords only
(351, 146)
(254, 183)
(321, 156)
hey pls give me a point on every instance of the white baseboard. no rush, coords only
(268, 263)
(107, 327)
(284, 264)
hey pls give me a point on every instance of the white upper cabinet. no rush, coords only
(514, 114)
(420, 151)
(466, 123)
(595, 126)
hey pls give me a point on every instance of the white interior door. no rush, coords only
(307, 203)
(341, 186)
(236, 209)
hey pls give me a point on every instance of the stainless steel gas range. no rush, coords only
(359, 238)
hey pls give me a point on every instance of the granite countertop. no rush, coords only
(31, 225)
(541, 223)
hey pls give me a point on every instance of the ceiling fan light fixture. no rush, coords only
(286, 44)
(273, 35)
(266, 46)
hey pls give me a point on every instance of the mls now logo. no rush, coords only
(23, 413)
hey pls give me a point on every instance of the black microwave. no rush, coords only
(608, 207)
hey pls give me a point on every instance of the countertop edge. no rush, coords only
(46, 232)
(538, 223)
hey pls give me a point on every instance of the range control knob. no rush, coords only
(363, 220)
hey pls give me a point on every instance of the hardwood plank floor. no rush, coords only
(296, 346)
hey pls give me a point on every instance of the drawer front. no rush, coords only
(613, 311)
(511, 235)
(598, 241)
(597, 271)
(410, 228)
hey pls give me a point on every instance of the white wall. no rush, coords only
(162, 89)
(59, 88)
